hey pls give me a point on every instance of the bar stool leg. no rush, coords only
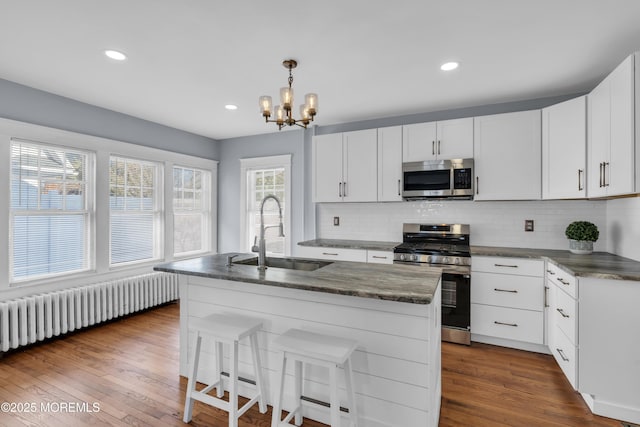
(298, 392)
(219, 356)
(353, 411)
(257, 365)
(233, 385)
(191, 384)
(277, 404)
(334, 399)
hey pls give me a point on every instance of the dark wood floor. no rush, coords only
(129, 368)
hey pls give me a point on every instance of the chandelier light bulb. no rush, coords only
(265, 105)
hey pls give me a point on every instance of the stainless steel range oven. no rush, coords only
(444, 246)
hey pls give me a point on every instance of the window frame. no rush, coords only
(205, 211)
(257, 163)
(89, 212)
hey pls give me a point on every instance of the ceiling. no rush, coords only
(364, 59)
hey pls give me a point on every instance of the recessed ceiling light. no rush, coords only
(231, 107)
(449, 66)
(114, 54)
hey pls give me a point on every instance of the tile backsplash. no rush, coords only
(623, 227)
(492, 223)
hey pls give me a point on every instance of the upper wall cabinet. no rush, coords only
(564, 149)
(390, 164)
(345, 167)
(448, 139)
(507, 156)
(611, 138)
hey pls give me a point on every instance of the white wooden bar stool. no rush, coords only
(317, 349)
(230, 329)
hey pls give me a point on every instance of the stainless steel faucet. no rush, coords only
(260, 248)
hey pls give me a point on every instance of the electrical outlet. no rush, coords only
(528, 225)
(336, 220)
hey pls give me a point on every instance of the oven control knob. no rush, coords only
(457, 261)
(445, 260)
(414, 257)
(401, 257)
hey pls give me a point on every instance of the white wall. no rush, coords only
(492, 223)
(623, 227)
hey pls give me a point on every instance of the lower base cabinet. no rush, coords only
(507, 301)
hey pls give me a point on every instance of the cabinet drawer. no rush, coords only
(565, 281)
(508, 323)
(515, 266)
(505, 290)
(566, 354)
(336, 254)
(566, 314)
(380, 257)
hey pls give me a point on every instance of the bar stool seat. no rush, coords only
(316, 349)
(225, 328)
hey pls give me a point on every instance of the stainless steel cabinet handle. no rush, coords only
(378, 257)
(551, 272)
(561, 353)
(505, 265)
(604, 175)
(339, 189)
(561, 280)
(329, 253)
(438, 146)
(344, 189)
(513, 291)
(433, 148)
(515, 325)
(580, 186)
(399, 187)
(477, 185)
(601, 175)
(565, 315)
(546, 296)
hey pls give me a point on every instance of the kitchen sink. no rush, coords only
(288, 263)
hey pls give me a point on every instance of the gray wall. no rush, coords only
(481, 110)
(231, 151)
(26, 104)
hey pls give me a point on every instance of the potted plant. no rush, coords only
(581, 235)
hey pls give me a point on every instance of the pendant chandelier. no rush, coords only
(283, 114)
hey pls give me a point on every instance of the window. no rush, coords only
(50, 210)
(135, 210)
(262, 177)
(191, 210)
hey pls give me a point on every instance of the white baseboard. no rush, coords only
(519, 345)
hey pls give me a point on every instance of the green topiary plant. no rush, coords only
(583, 231)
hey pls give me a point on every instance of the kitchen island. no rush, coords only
(393, 311)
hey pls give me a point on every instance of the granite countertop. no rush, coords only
(392, 282)
(599, 265)
(351, 244)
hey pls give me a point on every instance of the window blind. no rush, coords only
(49, 210)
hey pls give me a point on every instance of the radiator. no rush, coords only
(34, 318)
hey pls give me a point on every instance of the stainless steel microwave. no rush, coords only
(438, 179)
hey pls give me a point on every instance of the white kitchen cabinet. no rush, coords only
(507, 301)
(611, 137)
(609, 360)
(345, 167)
(443, 140)
(379, 257)
(564, 149)
(562, 321)
(507, 156)
(331, 253)
(327, 162)
(390, 164)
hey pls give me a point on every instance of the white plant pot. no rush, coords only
(580, 247)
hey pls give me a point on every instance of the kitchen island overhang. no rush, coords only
(391, 310)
